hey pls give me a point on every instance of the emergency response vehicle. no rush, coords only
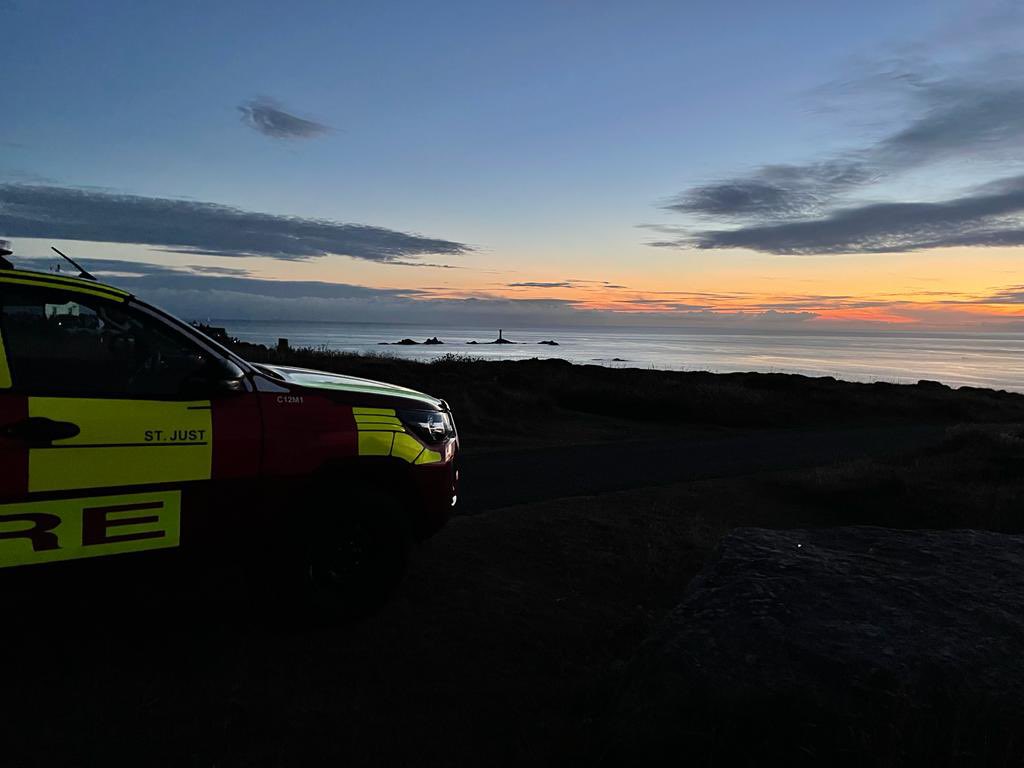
(127, 434)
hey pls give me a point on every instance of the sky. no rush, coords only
(795, 164)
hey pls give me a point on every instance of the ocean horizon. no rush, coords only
(994, 360)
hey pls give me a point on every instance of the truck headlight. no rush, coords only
(429, 426)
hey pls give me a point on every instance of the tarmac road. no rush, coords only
(503, 478)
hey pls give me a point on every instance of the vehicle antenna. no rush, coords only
(81, 272)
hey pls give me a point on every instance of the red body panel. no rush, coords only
(237, 437)
(304, 432)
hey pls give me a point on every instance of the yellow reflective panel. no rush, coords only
(366, 422)
(406, 447)
(381, 433)
(5, 370)
(102, 292)
(375, 443)
(428, 457)
(381, 428)
(68, 529)
(122, 442)
(49, 278)
(373, 411)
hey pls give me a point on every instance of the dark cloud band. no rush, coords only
(990, 215)
(775, 191)
(974, 113)
(142, 277)
(64, 213)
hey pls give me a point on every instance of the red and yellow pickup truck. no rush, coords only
(127, 433)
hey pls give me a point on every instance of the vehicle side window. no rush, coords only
(70, 344)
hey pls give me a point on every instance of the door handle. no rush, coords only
(39, 431)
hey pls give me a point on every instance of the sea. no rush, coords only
(994, 360)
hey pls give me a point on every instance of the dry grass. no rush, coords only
(972, 479)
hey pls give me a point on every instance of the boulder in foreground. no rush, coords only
(846, 645)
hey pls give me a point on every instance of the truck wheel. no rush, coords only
(340, 563)
(354, 559)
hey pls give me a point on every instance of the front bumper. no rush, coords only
(437, 486)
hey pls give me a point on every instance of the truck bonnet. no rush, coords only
(304, 377)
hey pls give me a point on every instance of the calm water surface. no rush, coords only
(993, 360)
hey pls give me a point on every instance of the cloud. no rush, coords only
(958, 115)
(198, 227)
(195, 293)
(142, 277)
(267, 117)
(973, 119)
(533, 284)
(959, 120)
(1012, 295)
(774, 191)
(990, 215)
(572, 283)
(425, 264)
(211, 270)
(602, 283)
(664, 305)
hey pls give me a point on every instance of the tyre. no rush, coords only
(344, 560)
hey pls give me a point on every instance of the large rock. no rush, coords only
(845, 645)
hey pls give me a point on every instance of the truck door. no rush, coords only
(104, 425)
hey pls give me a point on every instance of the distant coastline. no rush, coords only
(993, 360)
(434, 341)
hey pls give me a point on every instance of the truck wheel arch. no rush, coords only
(361, 477)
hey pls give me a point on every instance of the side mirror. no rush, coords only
(228, 386)
(217, 377)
